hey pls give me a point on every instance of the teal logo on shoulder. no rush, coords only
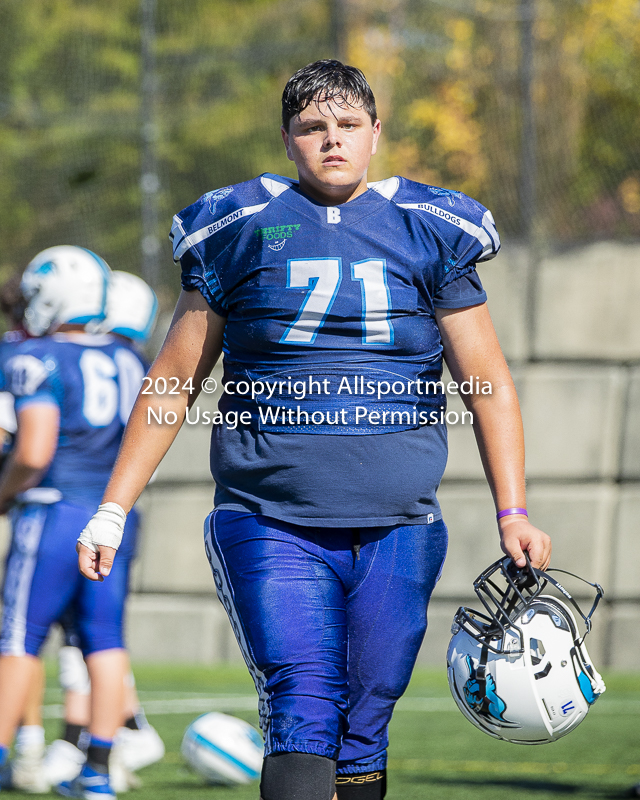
(448, 193)
(213, 198)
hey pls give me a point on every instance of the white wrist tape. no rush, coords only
(105, 527)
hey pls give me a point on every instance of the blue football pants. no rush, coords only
(42, 580)
(330, 631)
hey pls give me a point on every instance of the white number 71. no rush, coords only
(323, 277)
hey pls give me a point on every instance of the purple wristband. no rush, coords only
(509, 511)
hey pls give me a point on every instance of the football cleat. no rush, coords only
(26, 771)
(136, 749)
(89, 785)
(62, 761)
(519, 670)
(120, 777)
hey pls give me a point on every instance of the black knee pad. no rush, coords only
(367, 786)
(297, 776)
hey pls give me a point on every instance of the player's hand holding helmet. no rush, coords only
(64, 284)
(519, 670)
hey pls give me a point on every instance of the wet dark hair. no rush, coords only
(327, 80)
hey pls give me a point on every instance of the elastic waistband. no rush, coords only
(361, 398)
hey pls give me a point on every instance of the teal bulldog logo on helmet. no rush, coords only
(481, 695)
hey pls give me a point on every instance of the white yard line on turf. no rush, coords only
(228, 702)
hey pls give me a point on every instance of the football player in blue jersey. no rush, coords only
(334, 302)
(131, 313)
(72, 393)
(12, 308)
(25, 771)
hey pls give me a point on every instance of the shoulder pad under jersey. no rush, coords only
(465, 225)
(218, 213)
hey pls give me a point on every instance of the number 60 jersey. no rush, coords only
(93, 380)
(338, 299)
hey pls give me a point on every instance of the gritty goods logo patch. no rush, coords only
(277, 235)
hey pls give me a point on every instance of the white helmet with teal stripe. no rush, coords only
(64, 284)
(519, 669)
(132, 307)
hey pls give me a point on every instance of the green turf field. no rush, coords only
(435, 753)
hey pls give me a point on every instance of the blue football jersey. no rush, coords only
(93, 380)
(334, 295)
(8, 424)
(340, 303)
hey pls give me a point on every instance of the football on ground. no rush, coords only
(434, 753)
(223, 749)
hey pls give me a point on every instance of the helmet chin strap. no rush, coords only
(481, 677)
(586, 618)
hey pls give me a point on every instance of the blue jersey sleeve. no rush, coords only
(463, 227)
(203, 232)
(188, 226)
(32, 380)
(462, 292)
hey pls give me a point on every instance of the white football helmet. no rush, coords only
(64, 284)
(521, 671)
(132, 307)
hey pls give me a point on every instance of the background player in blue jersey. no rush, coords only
(130, 316)
(12, 308)
(72, 395)
(25, 770)
(334, 302)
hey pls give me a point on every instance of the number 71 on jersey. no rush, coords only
(323, 277)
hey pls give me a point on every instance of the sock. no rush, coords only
(363, 786)
(72, 734)
(141, 719)
(98, 754)
(138, 721)
(291, 776)
(83, 741)
(28, 736)
(4, 755)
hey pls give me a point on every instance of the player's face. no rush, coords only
(332, 146)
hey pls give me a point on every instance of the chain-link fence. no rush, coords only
(114, 114)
